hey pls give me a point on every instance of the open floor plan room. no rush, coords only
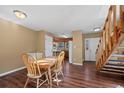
(62, 46)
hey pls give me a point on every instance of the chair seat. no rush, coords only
(32, 76)
(37, 75)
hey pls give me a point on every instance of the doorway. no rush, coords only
(90, 48)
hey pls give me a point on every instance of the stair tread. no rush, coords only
(120, 47)
(117, 55)
(116, 60)
(111, 72)
(107, 65)
(115, 63)
(109, 69)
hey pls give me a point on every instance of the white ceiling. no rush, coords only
(58, 19)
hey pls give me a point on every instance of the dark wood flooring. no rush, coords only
(75, 77)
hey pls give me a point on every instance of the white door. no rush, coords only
(70, 51)
(48, 46)
(90, 48)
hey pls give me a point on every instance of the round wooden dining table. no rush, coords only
(47, 63)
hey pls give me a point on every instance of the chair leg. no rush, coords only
(62, 73)
(47, 78)
(26, 82)
(57, 79)
(37, 82)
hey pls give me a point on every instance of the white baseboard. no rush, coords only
(77, 64)
(12, 71)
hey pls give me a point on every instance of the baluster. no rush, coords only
(121, 26)
(115, 25)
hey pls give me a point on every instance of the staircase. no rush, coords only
(110, 50)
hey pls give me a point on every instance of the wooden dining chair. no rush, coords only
(34, 71)
(57, 69)
(37, 55)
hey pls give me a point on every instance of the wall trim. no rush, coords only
(11, 71)
(77, 64)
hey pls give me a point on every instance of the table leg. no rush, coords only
(50, 77)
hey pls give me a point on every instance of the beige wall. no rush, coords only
(83, 47)
(77, 49)
(41, 42)
(14, 40)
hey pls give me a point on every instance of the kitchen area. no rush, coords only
(62, 44)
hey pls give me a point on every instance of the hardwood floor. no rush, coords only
(75, 77)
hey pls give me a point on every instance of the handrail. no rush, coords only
(110, 35)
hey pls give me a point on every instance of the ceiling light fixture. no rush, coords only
(20, 14)
(97, 29)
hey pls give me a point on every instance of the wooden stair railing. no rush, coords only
(110, 36)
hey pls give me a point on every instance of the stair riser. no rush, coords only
(112, 73)
(119, 64)
(113, 70)
(116, 61)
